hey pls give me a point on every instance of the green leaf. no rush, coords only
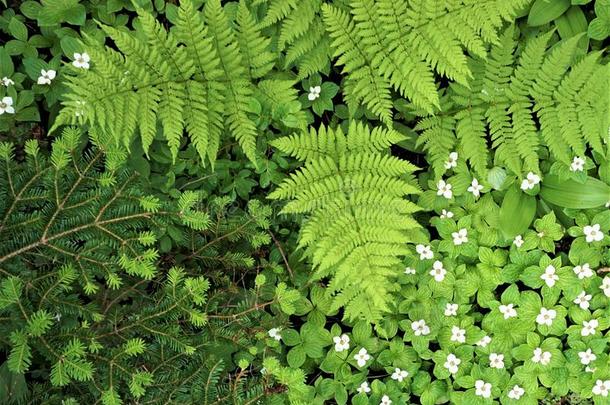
(517, 212)
(571, 194)
(545, 11)
(18, 29)
(54, 12)
(572, 23)
(20, 357)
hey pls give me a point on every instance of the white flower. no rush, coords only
(508, 311)
(601, 388)
(605, 287)
(314, 93)
(446, 214)
(263, 371)
(588, 327)
(385, 400)
(420, 328)
(549, 275)
(583, 271)
(438, 271)
(444, 189)
(530, 181)
(592, 233)
(458, 335)
(578, 164)
(587, 357)
(496, 360)
(452, 363)
(57, 317)
(362, 357)
(341, 343)
(607, 205)
(425, 252)
(81, 61)
(46, 76)
(516, 392)
(590, 370)
(452, 161)
(399, 374)
(451, 309)
(541, 357)
(583, 300)
(546, 316)
(485, 340)
(7, 82)
(518, 241)
(460, 236)
(275, 333)
(475, 188)
(409, 270)
(482, 388)
(6, 106)
(364, 388)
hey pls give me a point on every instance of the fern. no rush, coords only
(521, 102)
(399, 44)
(199, 77)
(358, 222)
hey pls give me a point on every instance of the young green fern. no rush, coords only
(199, 77)
(358, 220)
(399, 45)
(522, 102)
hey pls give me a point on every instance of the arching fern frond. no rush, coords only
(358, 220)
(521, 101)
(401, 44)
(199, 78)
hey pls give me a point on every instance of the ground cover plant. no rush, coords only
(304, 202)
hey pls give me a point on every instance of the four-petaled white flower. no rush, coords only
(452, 161)
(518, 241)
(583, 300)
(6, 106)
(81, 60)
(588, 327)
(601, 388)
(385, 400)
(496, 360)
(409, 270)
(314, 93)
(362, 357)
(7, 82)
(593, 233)
(420, 328)
(399, 374)
(583, 270)
(444, 189)
(541, 356)
(516, 392)
(341, 342)
(578, 164)
(587, 357)
(446, 214)
(438, 271)
(275, 333)
(364, 388)
(460, 236)
(57, 317)
(475, 188)
(46, 76)
(425, 252)
(451, 309)
(508, 311)
(482, 388)
(590, 370)
(605, 287)
(484, 341)
(452, 363)
(546, 316)
(530, 181)
(458, 335)
(549, 276)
